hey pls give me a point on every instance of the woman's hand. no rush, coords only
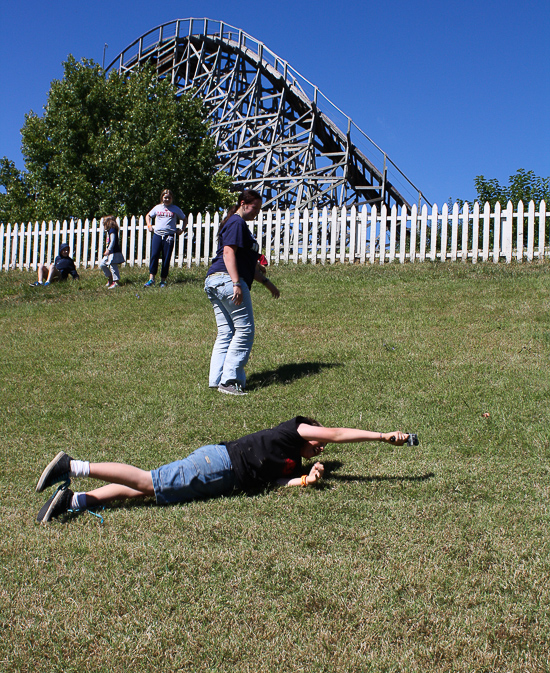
(315, 473)
(237, 298)
(273, 289)
(398, 438)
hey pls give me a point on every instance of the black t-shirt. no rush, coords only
(236, 232)
(267, 455)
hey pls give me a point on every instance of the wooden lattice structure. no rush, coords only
(274, 130)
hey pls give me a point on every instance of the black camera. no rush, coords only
(411, 441)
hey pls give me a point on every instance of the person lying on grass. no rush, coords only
(272, 456)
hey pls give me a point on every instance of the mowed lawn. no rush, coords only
(432, 558)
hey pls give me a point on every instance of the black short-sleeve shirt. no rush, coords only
(267, 455)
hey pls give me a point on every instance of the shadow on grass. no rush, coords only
(330, 468)
(287, 373)
(332, 465)
(173, 279)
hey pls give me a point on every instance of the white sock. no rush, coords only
(80, 468)
(78, 501)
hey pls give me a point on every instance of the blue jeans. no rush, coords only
(235, 330)
(161, 245)
(206, 473)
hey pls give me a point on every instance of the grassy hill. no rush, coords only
(432, 558)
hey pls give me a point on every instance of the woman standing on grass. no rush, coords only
(164, 232)
(112, 256)
(228, 283)
(265, 457)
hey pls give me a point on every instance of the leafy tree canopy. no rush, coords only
(110, 145)
(523, 186)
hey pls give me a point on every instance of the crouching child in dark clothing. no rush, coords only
(62, 267)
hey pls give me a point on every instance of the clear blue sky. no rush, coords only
(449, 89)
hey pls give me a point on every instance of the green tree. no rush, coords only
(110, 145)
(15, 202)
(523, 186)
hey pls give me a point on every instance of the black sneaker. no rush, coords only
(231, 388)
(58, 504)
(57, 470)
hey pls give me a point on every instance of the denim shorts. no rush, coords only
(206, 473)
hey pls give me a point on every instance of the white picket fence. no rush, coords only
(340, 235)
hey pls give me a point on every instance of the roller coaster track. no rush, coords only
(274, 130)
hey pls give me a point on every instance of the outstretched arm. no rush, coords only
(312, 433)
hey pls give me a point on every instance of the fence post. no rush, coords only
(324, 230)
(277, 237)
(29, 245)
(496, 233)
(314, 234)
(343, 233)
(383, 229)
(363, 234)
(305, 235)
(486, 230)
(507, 231)
(403, 235)
(465, 230)
(542, 229)
(423, 231)
(372, 234)
(433, 234)
(444, 230)
(454, 232)
(268, 234)
(475, 233)
(414, 221)
(519, 237)
(333, 231)
(286, 236)
(6, 239)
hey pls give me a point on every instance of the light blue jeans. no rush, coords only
(206, 473)
(235, 330)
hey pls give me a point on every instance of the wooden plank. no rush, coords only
(444, 231)
(486, 231)
(519, 231)
(333, 232)
(403, 235)
(414, 220)
(454, 232)
(343, 232)
(507, 231)
(314, 235)
(295, 236)
(531, 231)
(475, 233)
(496, 234)
(324, 234)
(382, 239)
(423, 232)
(393, 232)
(36, 241)
(433, 233)
(542, 229)
(372, 234)
(465, 231)
(305, 235)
